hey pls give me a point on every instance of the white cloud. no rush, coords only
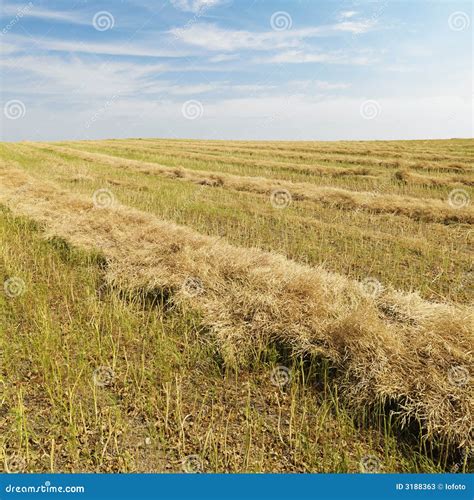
(190, 89)
(299, 56)
(322, 85)
(78, 46)
(223, 58)
(347, 14)
(335, 57)
(76, 79)
(256, 117)
(195, 6)
(79, 80)
(356, 27)
(223, 87)
(29, 10)
(63, 82)
(212, 37)
(7, 48)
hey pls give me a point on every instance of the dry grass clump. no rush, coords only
(352, 155)
(386, 348)
(309, 169)
(429, 210)
(408, 177)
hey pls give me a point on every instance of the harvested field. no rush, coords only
(253, 304)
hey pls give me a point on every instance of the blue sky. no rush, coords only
(236, 69)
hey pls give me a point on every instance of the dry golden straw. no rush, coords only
(386, 347)
(428, 210)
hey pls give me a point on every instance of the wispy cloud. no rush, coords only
(75, 77)
(336, 57)
(70, 17)
(323, 85)
(347, 14)
(196, 6)
(356, 27)
(219, 58)
(139, 49)
(212, 37)
(161, 53)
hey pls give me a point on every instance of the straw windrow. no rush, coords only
(392, 348)
(429, 210)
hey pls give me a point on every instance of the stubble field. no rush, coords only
(231, 306)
